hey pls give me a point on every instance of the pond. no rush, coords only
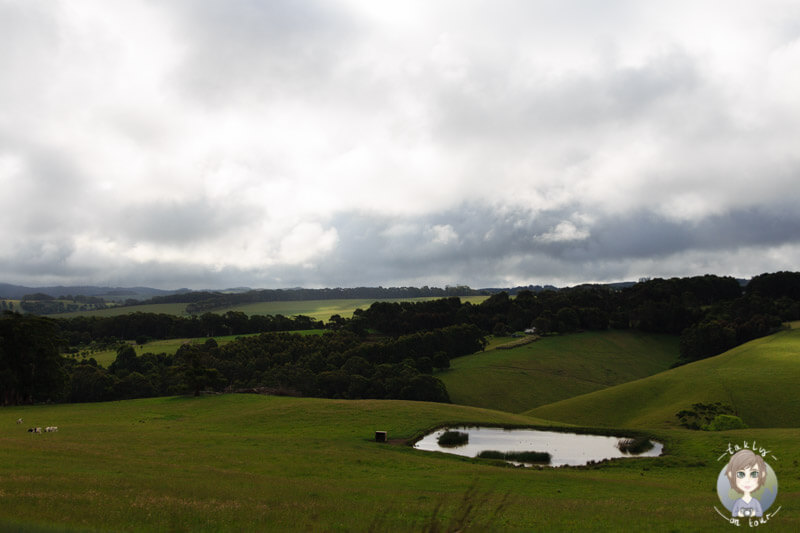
(565, 449)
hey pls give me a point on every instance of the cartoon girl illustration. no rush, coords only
(746, 473)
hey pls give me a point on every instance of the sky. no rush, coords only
(344, 143)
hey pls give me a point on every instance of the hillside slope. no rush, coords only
(555, 368)
(759, 379)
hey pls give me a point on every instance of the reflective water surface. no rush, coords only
(565, 448)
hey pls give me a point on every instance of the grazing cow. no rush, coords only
(19, 421)
(51, 429)
(34, 430)
(38, 430)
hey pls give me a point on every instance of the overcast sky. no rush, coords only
(279, 143)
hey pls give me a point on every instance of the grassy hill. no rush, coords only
(759, 379)
(256, 463)
(555, 368)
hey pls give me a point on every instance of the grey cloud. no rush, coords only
(647, 235)
(30, 36)
(36, 257)
(49, 195)
(180, 222)
(492, 105)
(543, 144)
(496, 245)
(635, 90)
(245, 49)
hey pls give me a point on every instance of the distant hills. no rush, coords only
(115, 294)
(212, 298)
(120, 294)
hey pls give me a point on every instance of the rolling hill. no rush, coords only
(759, 379)
(556, 368)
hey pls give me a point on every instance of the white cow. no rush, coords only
(51, 429)
(19, 421)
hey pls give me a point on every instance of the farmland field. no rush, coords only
(555, 368)
(759, 379)
(167, 309)
(316, 309)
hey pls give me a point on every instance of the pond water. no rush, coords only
(564, 448)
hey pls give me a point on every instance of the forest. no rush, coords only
(389, 350)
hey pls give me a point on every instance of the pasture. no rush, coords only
(167, 309)
(759, 379)
(258, 463)
(555, 368)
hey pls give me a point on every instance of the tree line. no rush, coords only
(83, 330)
(198, 302)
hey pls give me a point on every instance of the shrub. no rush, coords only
(635, 445)
(450, 439)
(702, 414)
(518, 457)
(723, 422)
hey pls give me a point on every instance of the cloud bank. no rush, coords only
(346, 143)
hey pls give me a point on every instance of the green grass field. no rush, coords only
(257, 463)
(759, 379)
(555, 368)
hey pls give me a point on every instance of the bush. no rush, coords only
(518, 457)
(702, 414)
(451, 439)
(724, 422)
(634, 446)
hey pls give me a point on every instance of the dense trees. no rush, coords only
(335, 365)
(711, 313)
(45, 304)
(31, 367)
(776, 285)
(85, 329)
